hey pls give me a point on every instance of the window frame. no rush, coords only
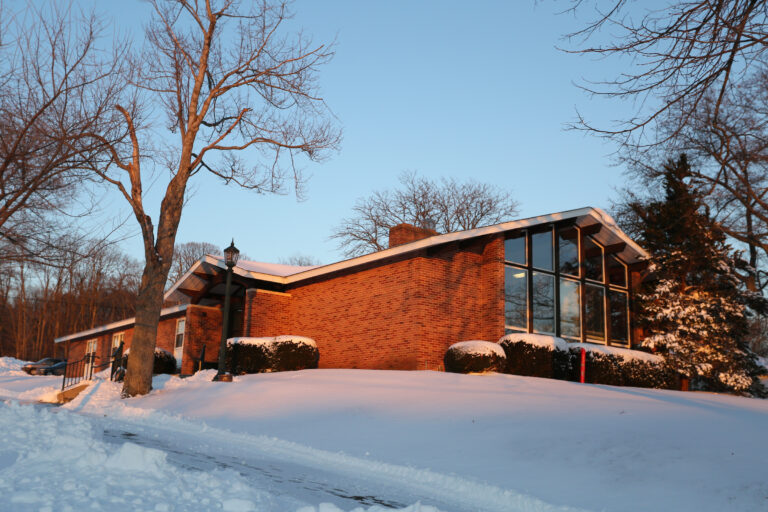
(558, 275)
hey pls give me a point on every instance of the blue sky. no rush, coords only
(457, 89)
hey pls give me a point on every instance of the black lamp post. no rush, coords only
(231, 254)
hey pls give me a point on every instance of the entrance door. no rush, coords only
(178, 347)
(90, 352)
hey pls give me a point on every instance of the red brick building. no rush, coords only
(568, 274)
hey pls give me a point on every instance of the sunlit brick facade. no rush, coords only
(403, 307)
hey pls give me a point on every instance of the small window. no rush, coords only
(117, 339)
(91, 346)
(516, 297)
(541, 247)
(593, 260)
(180, 326)
(570, 308)
(568, 251)
(514, 249)
(543, 303)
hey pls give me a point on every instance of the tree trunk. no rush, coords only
(138, 378)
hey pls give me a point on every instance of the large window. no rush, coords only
(617, 271)
(514, 249)
(562, 281)
(541, 247)
(516, 298)
(593, 260)
(568, 251)
(117, 339)
(570, 308)
(594, 312)
(543, 303)
(619, 320)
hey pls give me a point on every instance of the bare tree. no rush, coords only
(301, 260)
(729, 145)
(55, 86)
(234, 88)
(185, 255)
(678, 54)
(445, 206)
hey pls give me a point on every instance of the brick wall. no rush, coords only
(406, 233)
(463, 286)
(400, 314)
(166, 332)
(203, 328)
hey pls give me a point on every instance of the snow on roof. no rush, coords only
(286, 274)
(274, 269)
(128, 322)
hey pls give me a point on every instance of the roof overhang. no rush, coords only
(608, 234)
(128, 322)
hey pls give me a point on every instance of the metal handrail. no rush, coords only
(78, 371)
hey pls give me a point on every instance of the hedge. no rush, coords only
(474, 357)
(164, 362)
(532, 356)
(278, 354)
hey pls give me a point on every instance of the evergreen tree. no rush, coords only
(693, 309)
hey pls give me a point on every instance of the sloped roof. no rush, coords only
(210, 265)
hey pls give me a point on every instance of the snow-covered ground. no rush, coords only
(330, 440)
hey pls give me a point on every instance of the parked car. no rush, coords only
(47, 366)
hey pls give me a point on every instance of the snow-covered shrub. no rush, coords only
(536, 355)
(539, 355)
(164, 362)
(474, 357)
(271, 354)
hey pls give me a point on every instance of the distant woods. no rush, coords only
(78, 286)
(39, 302)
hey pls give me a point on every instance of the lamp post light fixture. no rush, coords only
(231, 255)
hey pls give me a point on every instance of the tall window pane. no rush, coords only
(618, 305)
(516, 297)
(180, 324)
(568, 251)
(594, 312)
(616, 270)
(570, 310)
(543, 303)
(514, 249)
(541, 246)
(593, 260)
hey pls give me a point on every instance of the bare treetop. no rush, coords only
(679, 53)
(56, 87)
(446, 206)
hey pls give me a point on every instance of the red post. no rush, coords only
(583, 364)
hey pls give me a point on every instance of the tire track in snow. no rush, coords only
(461, 493)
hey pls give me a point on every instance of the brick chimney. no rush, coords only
(406, 233)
